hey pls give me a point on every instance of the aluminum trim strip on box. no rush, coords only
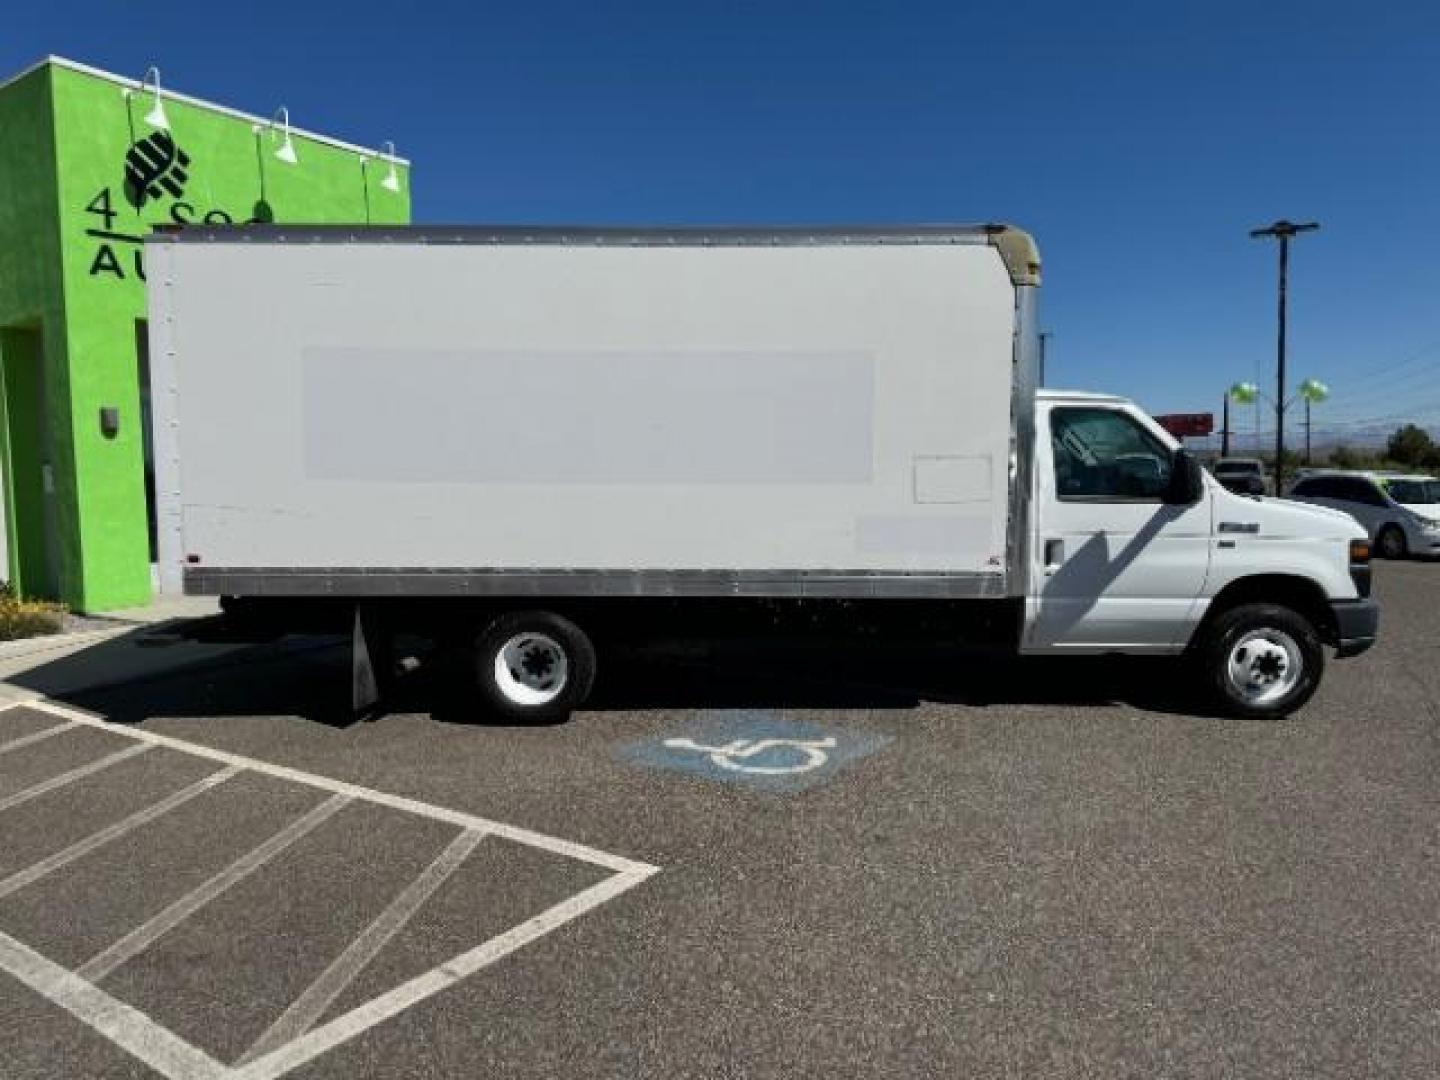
(459, 581)
(1025, 380)
(636, 236)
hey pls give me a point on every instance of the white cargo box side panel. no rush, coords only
(496, 406)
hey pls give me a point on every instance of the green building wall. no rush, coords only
(31, 317)
(72, 297)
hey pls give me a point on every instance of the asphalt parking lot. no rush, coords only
(736, 865)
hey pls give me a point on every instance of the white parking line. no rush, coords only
(147, 933)
(38, 736)
(127, 1027)
(272, 1055)
(113, 831)
(305, 1010)
(340, 787)
(346, 1027)
(74, 774)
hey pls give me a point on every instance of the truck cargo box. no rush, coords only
(592, 412)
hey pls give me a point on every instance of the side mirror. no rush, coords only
(1186, 483)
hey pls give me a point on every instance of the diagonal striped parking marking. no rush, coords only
(149, 932)
(292, 1039)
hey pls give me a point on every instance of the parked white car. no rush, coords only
(1400, 511)
(1418, 494)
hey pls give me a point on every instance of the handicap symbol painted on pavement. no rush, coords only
(756, 748)
(737, 754)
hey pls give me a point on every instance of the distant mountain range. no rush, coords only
(1361, 436)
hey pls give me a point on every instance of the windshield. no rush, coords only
(1238, 467)
(1413, 491)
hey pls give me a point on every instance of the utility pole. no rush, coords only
(1312, 391)
(1307, 431)
(1282, 230)
(1225, 428)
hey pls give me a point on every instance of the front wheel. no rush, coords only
(1391, 542)
(1263, 660)
(534, 665)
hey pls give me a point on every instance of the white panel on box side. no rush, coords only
(369, 405)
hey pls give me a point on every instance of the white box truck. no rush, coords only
(530, 431)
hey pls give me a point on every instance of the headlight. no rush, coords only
(1429, 524)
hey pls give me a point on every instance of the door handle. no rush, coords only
(1054, 554)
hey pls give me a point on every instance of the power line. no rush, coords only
(1417, 355)
(1382, 393)
(1427, 418)
(1378, 391)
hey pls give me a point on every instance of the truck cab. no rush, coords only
(1136, 549)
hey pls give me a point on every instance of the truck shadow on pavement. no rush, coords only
(894, 677)
(211, 668)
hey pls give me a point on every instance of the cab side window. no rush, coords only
(1102, 455)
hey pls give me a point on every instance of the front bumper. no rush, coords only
(1356, 623)
(1424, 542)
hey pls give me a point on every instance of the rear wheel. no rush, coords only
(534, 665)
(1390, 544)
(1263, 660)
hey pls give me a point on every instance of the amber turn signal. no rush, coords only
(1360, 551)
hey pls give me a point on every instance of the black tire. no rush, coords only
(1391, 543)
(550, 661)
(1274, 627)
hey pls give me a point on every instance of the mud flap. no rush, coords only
(371, 662)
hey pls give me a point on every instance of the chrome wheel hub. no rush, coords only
(1264, 666)
(531, 669)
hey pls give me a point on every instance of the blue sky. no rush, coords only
(1138, 141)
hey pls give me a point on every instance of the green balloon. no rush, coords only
(1245, 393)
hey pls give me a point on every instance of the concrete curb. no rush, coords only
(139, 665)
(50, 643)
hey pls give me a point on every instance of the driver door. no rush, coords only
(1116, 567)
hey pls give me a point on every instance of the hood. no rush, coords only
(1282, 517)
(1426, 510)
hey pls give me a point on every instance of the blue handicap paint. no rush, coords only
(755, 748)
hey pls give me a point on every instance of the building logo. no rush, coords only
(155, 166)
(156, 171)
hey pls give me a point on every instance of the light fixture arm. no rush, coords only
(156, 117)
(392, 175)
(286, 153)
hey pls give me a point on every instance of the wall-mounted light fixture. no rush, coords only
(156, 117)
(392, 178)
(286, 152)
